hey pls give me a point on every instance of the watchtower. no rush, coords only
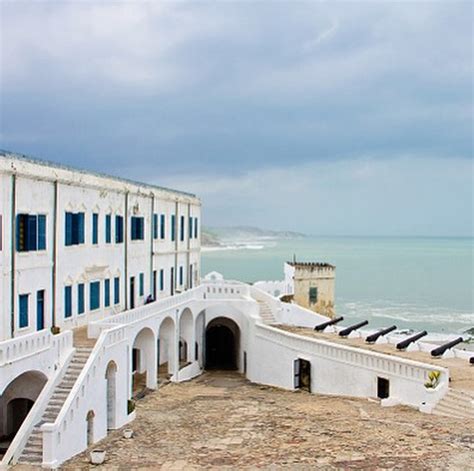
(313, 285)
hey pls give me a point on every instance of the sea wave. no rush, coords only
(233, 247)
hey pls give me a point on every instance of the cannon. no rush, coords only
(471, 360)
(404, 343)
(322, 326)
(438, 351)
(345, 332)
(374, 337)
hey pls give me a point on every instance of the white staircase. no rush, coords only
(266, 313)
(33, 451)
(456, 403)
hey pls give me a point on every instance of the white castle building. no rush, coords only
(101, 296)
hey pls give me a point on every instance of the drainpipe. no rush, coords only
(12, 255)
(125, 241)
(188, 257)
(152, 241)
(176, 244)
(54, 255)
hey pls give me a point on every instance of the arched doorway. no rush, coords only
(167, 345)
(186, 339)
(90, 427)
(110, 376)
(144, 361)
(222, 344)
(16, 402)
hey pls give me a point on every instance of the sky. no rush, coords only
(332, 118)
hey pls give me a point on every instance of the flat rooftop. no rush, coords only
(461, 372)
(310, 265)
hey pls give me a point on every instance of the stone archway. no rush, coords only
(168, 348)
(143, 360)
(17, 400)
(222, 344)
(110, 377)
(186, 339)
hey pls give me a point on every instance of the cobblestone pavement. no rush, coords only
(221, 421)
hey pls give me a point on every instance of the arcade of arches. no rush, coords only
(15, 403)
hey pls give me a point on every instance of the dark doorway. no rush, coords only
(132, 292)
(17, 410)
(302, 374)
(383, 388)
(220, 348)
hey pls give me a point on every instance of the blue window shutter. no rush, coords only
(142, 284)
(116, 290)
(20, 233)
(23, 301)
(68, 301)
(41, 232)
(155, 226)
(94, 300)
(80, 298)
(180, 275)
(32, 234)
(108, 229)
(162, 226)
(173, 227)
(107, 293)
(95, 228)
(190, 227)
(182, 229)
(81, 228)
(162, 280)
(196, 228)
(68, 229)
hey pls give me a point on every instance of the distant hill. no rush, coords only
(219, 236)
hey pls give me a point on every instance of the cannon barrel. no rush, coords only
(471, 360)
(328, 323)
(438, 351)
(404, 343)
(374, 337)
(345, 332)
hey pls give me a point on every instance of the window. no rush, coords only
(74, 228)
(67, 301)
(118, 229)
(30, 232)
(80, 298)
(95, 229)
(108, 228)
(313, 295)
(190, 227)
(107, 293)
(162, 280)
(116, 290)
(181, 271)
(138, 228)
(190, 275)
(94, 295)
(155, 226)
(162, 226)
(40, 310)
(196, 228)
(23, 301)
(173, 227)
(181, 234)
(141, 288)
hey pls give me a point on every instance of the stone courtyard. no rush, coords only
(221, 421)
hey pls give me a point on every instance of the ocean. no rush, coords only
(414, 283)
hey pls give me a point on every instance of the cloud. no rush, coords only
(247, 92)
(367, 196)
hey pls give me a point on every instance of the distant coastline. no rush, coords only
(242, 237)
